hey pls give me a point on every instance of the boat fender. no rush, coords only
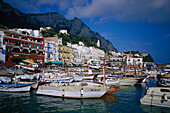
(63, 93)
(164, 97)
(81, 91)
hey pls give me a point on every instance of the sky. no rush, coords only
(130, 25)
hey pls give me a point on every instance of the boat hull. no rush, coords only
(73, 91)
(16, 89)
(157, 96)
(128, 82)
(112, 89)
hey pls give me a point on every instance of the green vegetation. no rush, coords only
(18, 59)
(133, 52)
(48, 33)
(3, 27)
(148, 58)
(75, 40)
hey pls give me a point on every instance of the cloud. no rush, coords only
(156, 11)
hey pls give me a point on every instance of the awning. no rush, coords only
(149, 65)
(54, 62)
(29, 61)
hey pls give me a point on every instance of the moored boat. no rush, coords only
(157, 96)
(73, 90)
(14, 88)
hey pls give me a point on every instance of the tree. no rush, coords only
(148, 58)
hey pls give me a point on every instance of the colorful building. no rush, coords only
(17, 45)
(65, 53)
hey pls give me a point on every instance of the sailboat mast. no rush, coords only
(104, 72)
(125, 66)
(15, 76)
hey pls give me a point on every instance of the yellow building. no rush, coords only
(65, 53)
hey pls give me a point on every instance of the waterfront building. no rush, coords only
(83, 53)
(132, 61)
(51, 48)
(116, 61)
(51, 51)
(96, 53)
(30, 32)
(115, 54)
(14, 44)
(65, 53)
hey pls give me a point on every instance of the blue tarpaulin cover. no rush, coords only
(149, 65)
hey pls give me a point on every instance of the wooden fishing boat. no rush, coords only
(34, 85)
(14, 88)
(73, 90)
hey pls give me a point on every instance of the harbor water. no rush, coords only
(126, 100)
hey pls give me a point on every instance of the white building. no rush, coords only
(63, 32)
(134, 61)
(35, 33)
(45, 28)
(86, 53)
(2, 47)
(51, 51)
(96, 53)
(115, 54)
(98, 43)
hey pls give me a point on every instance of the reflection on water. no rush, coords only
(155, 109)
(65, 104)
(127, 99)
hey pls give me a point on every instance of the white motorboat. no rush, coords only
(157, 96)
(73, 90)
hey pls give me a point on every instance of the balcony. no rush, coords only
(24, 39)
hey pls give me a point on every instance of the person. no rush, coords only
(95, 78)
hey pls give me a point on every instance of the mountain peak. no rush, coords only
(13, 18)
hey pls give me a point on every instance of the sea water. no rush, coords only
(126, 100)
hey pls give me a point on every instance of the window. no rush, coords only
(7, 49)
(17, 43)
(37, 46)
(30, 44)
(34, 46)
(26, 44)
(48, 55)
(48, 44)
(40, 46)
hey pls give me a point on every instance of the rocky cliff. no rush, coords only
(13, 18)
